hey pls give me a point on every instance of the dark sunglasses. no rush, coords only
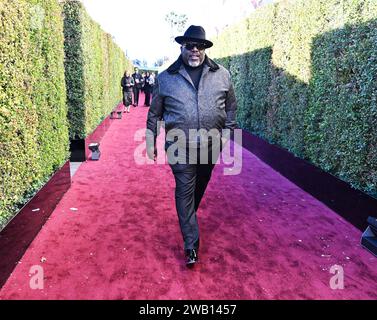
(192, 45)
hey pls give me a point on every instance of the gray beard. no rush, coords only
(194, 64)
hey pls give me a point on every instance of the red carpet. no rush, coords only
(261, 236)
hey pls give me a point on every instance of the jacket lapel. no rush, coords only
(182, 71)
(206, 69)
(178, 67)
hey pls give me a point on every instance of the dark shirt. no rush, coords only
(195, 74)
(138, 76)
(129, 81)
(147, 85)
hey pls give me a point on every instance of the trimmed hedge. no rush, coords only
(33, 116)
(305, 76)
(94, 67)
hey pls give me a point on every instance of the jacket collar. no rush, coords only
(176, 66)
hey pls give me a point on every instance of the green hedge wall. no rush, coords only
(94, 67)
(305, 76)
(33, 116)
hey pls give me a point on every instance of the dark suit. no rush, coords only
(148, 90)
(177, 101)
(138, 79)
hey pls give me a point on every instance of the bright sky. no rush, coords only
(140, 29)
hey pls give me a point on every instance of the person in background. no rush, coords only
(142, 81)
(127, 84)
(137, 87)
(148, 86)
(154, 81)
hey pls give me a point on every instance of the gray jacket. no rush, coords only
(177, 102)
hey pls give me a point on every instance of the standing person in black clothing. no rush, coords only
(148, 86)
(127, 84)
(138, 79)
(142, 82)
(193, 94)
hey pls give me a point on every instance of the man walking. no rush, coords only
(194, 93)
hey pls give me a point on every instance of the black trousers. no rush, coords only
(136, 95)
(147, 97)
(191, 181)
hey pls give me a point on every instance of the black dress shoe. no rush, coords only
(191, 257)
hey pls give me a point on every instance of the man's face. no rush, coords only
(193, 54)
(136, 70)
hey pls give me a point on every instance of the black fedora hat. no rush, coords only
(195, 34)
